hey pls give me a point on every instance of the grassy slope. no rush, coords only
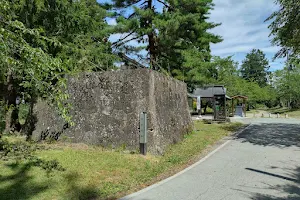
(95, 173)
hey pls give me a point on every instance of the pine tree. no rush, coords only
(135, 19)
(185, 39)
(170, 33)
(255, 67)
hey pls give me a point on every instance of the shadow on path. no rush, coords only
(279, 135)
(291, 190)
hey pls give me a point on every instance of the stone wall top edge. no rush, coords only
(129, 71)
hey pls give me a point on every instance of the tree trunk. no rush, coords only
(152, 51)
(10, 96)
(151, 40)
(31, 120)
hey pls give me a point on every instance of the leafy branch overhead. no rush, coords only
(42, 41)
(285, 27)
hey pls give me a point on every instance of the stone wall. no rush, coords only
(106, 108)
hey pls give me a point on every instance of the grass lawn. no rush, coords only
(253, 111)
(97, 173)
(291, 113)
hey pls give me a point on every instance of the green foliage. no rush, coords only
(194, 104)
(28, 69)
(287, 84)
(226, 73)
(195, 71)
(24, 110)
(285, 27)
(255, 67)
(285, 32)
(78, 25)
(44, 41)
(173, 38)
(184, 40)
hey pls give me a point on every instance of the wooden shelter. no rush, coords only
(244, 104)
(216, 94)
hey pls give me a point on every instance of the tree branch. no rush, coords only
(120, 40)
(132, 3)
(168, 6)
(135, 38)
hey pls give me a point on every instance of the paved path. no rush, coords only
(263, 163)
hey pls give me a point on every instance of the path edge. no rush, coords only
(228, 140)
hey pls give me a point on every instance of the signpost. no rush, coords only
(143, 133)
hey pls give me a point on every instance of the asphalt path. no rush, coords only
(262, 162)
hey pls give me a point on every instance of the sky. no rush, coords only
(243, 29)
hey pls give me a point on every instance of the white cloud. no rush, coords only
(243, 27)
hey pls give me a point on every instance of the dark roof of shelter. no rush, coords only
(192, 96)
(209, 91)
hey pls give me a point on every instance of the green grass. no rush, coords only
(291, 113)
(253, 111)
(96, 173)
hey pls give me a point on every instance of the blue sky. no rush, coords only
(243, 29)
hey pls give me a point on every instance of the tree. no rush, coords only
(285, 27)
(135, 20)
(184, 40)
(226, 73)
(42, 41)
(226, 69)
(171, 35)
(287, 85)
(78, 25)
(255, 67)
(27, 70)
